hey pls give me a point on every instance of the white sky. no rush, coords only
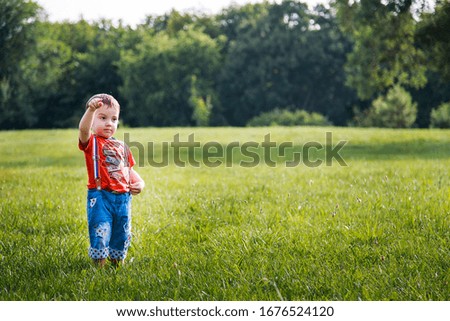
(133, 12)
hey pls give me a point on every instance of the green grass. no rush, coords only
(377, 229)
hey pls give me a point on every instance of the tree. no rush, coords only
(98, 69)
(433, 37)
(42, 78)
(174, 21)
(288, 58)
(384, 53)
(236, 20)
(433, 34)
(69, 62)
(157, 77)
(17, 19)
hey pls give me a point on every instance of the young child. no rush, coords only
(111, 180)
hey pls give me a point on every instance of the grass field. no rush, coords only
(376, 229)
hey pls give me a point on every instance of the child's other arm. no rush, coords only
(137, 184)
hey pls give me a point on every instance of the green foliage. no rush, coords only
(285, 117)
(17, 20)
(384, 53)
(157, 76)
(69, 62)
(376, 230)
(440, 117)
(395, 110)
(433, 35)
(201, 106)
(44, 75)
(236, 20)
(246, 60)
(286, 56)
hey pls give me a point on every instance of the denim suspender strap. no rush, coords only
(95, 158)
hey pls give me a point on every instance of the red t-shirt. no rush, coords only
(115, 162)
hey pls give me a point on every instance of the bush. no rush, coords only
(395, 110)
(284, 117)
(440, 117)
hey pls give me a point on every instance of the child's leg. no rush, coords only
(121, 230)
(99, 224)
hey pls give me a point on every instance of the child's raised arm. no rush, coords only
(86, 121)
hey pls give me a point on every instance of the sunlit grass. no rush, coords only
(377, 229)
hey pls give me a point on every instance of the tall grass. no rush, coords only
(377, 229)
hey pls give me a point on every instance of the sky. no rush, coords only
(133, 12)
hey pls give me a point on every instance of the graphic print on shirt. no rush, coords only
(116, 160)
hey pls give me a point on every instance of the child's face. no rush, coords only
(106, 120)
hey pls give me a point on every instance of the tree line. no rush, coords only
(195, 69)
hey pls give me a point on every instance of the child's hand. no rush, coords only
(94, 104)
(137, 187)
(137, 184)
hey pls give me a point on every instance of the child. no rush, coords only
(111, 180)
